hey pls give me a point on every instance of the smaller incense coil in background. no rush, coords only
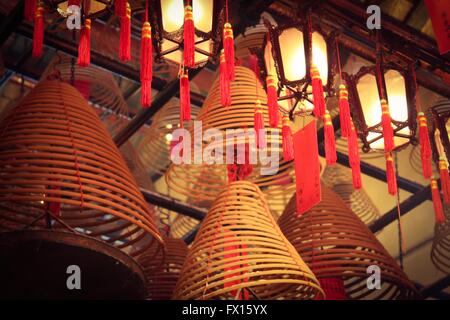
(339, 247)
(440, 250)
(161, 280)
(154, 147)
(240, 253)
(339, 179)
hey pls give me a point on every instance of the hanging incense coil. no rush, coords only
(161, 282)
(59, 164)
(339, 179)
(155, 145)
(339, 247)
(187, 179)
(240, 253)
(99, 84)
(440, 250)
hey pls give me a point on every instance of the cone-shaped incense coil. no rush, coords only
(440, 250)
(161, 279)
(240, 253)
(339, 179)
(155, 145)
(245, 90)
(59, 168)
(338, 246)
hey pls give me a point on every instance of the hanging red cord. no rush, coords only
(146, 73)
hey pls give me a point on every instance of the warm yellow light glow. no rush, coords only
(370, 103)
(169, 126)
(203, 12)
(168, 137)
(319, 56)
(293, 54)
(172, 14)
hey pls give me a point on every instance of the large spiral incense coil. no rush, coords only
(339, 248)
(99, 84)
(440, 250)
(155, 145)
(339, 179)
(161, 282)
(240, 253)
(60, 170)
(187, 179)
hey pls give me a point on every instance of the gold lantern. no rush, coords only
(240, 253)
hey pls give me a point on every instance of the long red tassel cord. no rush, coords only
(38, 32)
(445, 180)
(425, 146)
(344, 111)
(185, 97)
(272, 101)
(228, 45)
(390, 175)
(438, 209)
(353, 157)
(225, 84)
(120, 7)
(317, 91)
(288, 144)
(125, 35)
(330, 143)
(84, 47)
(189, 38)
(146, 74)
(388, 132)
(259, 126)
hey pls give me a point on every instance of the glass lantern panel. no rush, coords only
(292, 54)
(396, 93)
(203, 14)
(172, 14)
(369, 98)
(177, 55)
(319, 56)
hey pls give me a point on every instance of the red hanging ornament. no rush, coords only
(388, 132)
(272, 101)
(259, 126)
(317, 91)
(225, 84)
(120, 7)
(425, 146)
(353, 156)
(333, 288)
(146, 64)
(189, 38)
(330, 143)
(38, 32)
(185, 97)
(84, 47)
(390, 175)
(445, 180)
(228, 45)
(435, 195)
(344, 111)
(125, 35)
(288, 145)
(29, 10)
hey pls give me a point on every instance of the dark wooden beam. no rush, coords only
(10, 23)
(436, 287)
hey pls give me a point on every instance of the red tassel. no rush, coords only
(84, 47)
(272, 101)
(317, 91)
(29, 10)
(189, 38)
(259, 126)
(146, 64)
(125, 35)
(344, 111)
(330, 144)
(445, 180)
(425, 146)
(185, 98)
(390, 175)
(438, 210)
(353, 156)
(288, 145)
(120, 8)
(388, 132)
(38, 32)
(228, 45)
(225, 85)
